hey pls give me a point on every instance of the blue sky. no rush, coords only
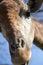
(5, 58)
(25, 0)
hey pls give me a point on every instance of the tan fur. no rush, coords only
(38, 37)
(23, 56)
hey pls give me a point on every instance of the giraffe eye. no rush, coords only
(27, 14)
(1, 0)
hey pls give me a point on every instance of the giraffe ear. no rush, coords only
(34, 5)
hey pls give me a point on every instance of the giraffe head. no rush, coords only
(17, 28)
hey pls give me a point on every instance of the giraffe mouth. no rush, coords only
(13, 49)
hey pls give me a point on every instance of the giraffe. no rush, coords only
(20, 29)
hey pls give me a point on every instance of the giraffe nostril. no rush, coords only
(18, 40)
(22, 43)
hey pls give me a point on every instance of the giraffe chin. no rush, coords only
(20, 57)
